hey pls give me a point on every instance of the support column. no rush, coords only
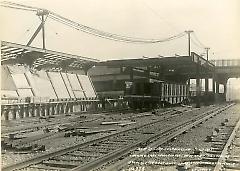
(71, 107)
(217, 91)
(198, 86)
(38, 112)
(6, 114)
(62, 108)
(27, 111)
(47, 109)
(14, 113)
(213, 88)
(206, 86)
(225, 90)
(66, 111)
(213, 85)
(217, 87)
(43, 110)
(206, 93)
(33, 110)
(21, 113)
(58, 108)
(188, 88)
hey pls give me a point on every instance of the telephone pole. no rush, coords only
(207, 49)
(189, 41)
(42, 14)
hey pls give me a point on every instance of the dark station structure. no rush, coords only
(118, 78)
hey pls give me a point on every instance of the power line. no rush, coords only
(18, 8)
(200, 43)
(19, 5)
(108, 35)
(196, 44)
(90, 30)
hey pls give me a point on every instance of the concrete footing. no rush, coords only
(18, 111)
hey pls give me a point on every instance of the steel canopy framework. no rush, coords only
(37, 58)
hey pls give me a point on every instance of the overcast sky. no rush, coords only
(215, 22)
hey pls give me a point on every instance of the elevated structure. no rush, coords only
(41, 82)
(227, 68)
(112, 77)
(174, 69)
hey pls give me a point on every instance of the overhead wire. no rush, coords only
(109, 35)
(18, 8)
(20, 5)
(196, 38)
(90, 30)
(196, 44)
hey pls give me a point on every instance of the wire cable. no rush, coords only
(18, 8)
(19, 5)
(87, 29)
(111, 35)
(196, 38)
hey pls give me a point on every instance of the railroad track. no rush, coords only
(223, 162)
(34, 139)
(97, 152)
(162, 114)
(154, 154)
(117, 164)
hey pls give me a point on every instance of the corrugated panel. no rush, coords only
(67, 83)
(7, 82)
(79, 94)
(16, 69)
(41, 85)
(76, 87)
(31, 82)
(20, 81)
(74, 82)
(58, 85)
(87, 85)
(9, 93)
(25, 92)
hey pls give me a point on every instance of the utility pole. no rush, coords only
(41, 14)
(207, 49)
(189, 54)
(189, 41)
(198, 86)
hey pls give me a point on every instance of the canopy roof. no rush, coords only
(13, 53)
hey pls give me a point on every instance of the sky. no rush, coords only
(216, 23)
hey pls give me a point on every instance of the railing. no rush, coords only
(226, 62)
(28, 100)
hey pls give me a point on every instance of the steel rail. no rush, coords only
(224, 153)
(105, 158)
(165, 136)
(40, 158)
(168, 135)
